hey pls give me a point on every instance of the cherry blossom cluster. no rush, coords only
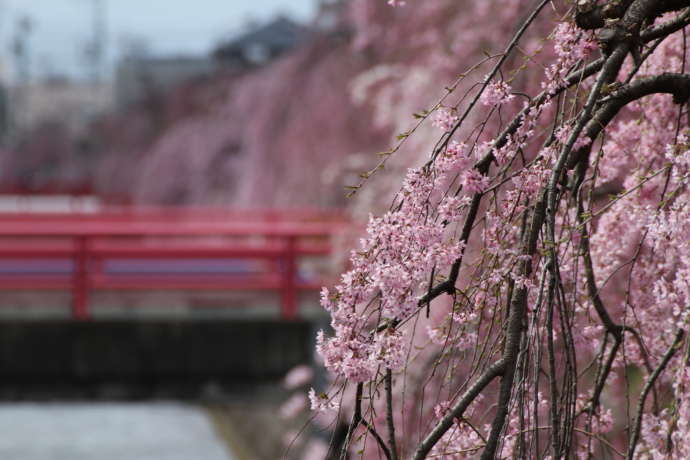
(321, 402)
(444, 118)
(571, 45)
(392, 266)
(496, 93)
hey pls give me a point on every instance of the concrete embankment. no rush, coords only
(140, 359)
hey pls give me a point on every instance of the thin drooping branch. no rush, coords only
(593, 290)
(378, 438)
(356, 421)
(585, 251)
(518, 306)
(616, 330)
(603, 376)
(507, 362)
(553, 390)
(649, 384)
(513, 43)
(388, 386)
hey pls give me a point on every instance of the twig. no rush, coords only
(647, 388)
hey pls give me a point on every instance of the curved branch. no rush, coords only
(457, 410)
(677, 84)
(662, 30)
(593, 17)
(647, 388)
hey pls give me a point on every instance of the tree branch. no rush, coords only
(647, 388)
(457, 410)
(356, 421)
(389, 414)
(677, 84)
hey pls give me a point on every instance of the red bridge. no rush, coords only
(144, 249)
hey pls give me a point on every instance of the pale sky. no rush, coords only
(61, 27)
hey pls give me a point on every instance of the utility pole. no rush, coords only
(96, 47)
(4, 90)
(21, 52)
(21, 49)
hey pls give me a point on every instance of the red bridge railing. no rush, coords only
(139, 250)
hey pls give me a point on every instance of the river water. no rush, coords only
(108, 431)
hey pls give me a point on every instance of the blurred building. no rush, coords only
(260, 44)
(138, 77)
(45, 149)
(72, 103)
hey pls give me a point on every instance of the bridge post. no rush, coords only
(289, 288)
(80, 286)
